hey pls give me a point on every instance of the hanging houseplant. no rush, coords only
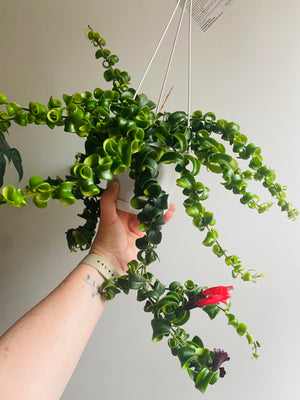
(123, 134)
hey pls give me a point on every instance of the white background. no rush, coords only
(245, 69)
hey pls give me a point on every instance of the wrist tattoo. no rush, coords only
(92, 283)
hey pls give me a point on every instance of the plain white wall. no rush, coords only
(245, 69)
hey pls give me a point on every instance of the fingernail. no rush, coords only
(112, 186)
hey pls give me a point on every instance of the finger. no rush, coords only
(169, 214)
(108, 201)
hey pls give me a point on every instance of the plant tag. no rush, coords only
(206, 12)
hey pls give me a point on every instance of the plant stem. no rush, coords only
(7, 119)
(167, 96)
(253, 276)
(173, 333)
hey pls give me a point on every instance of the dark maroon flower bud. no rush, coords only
(220, 357)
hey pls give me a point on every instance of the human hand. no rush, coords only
(118, 230)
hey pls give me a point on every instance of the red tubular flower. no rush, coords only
(215, 295)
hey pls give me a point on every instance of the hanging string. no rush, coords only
(171, 57)
(172, 54)
(190, 63)
(157, 48)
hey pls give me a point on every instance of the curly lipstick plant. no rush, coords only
(123, 133)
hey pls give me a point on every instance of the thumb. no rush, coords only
(108, 201)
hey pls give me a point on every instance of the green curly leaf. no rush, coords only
(161, 328)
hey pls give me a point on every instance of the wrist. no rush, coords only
(102, 264)
(91, 276)
(88, 270)
(112, 259)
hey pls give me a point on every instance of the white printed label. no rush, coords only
(207, 12)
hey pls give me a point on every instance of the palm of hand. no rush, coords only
(118, 231)
(116, 239)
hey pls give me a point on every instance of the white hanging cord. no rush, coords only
(171, 57)
(156, 50)
(190, 64)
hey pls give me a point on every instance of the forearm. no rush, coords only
(39, 353)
